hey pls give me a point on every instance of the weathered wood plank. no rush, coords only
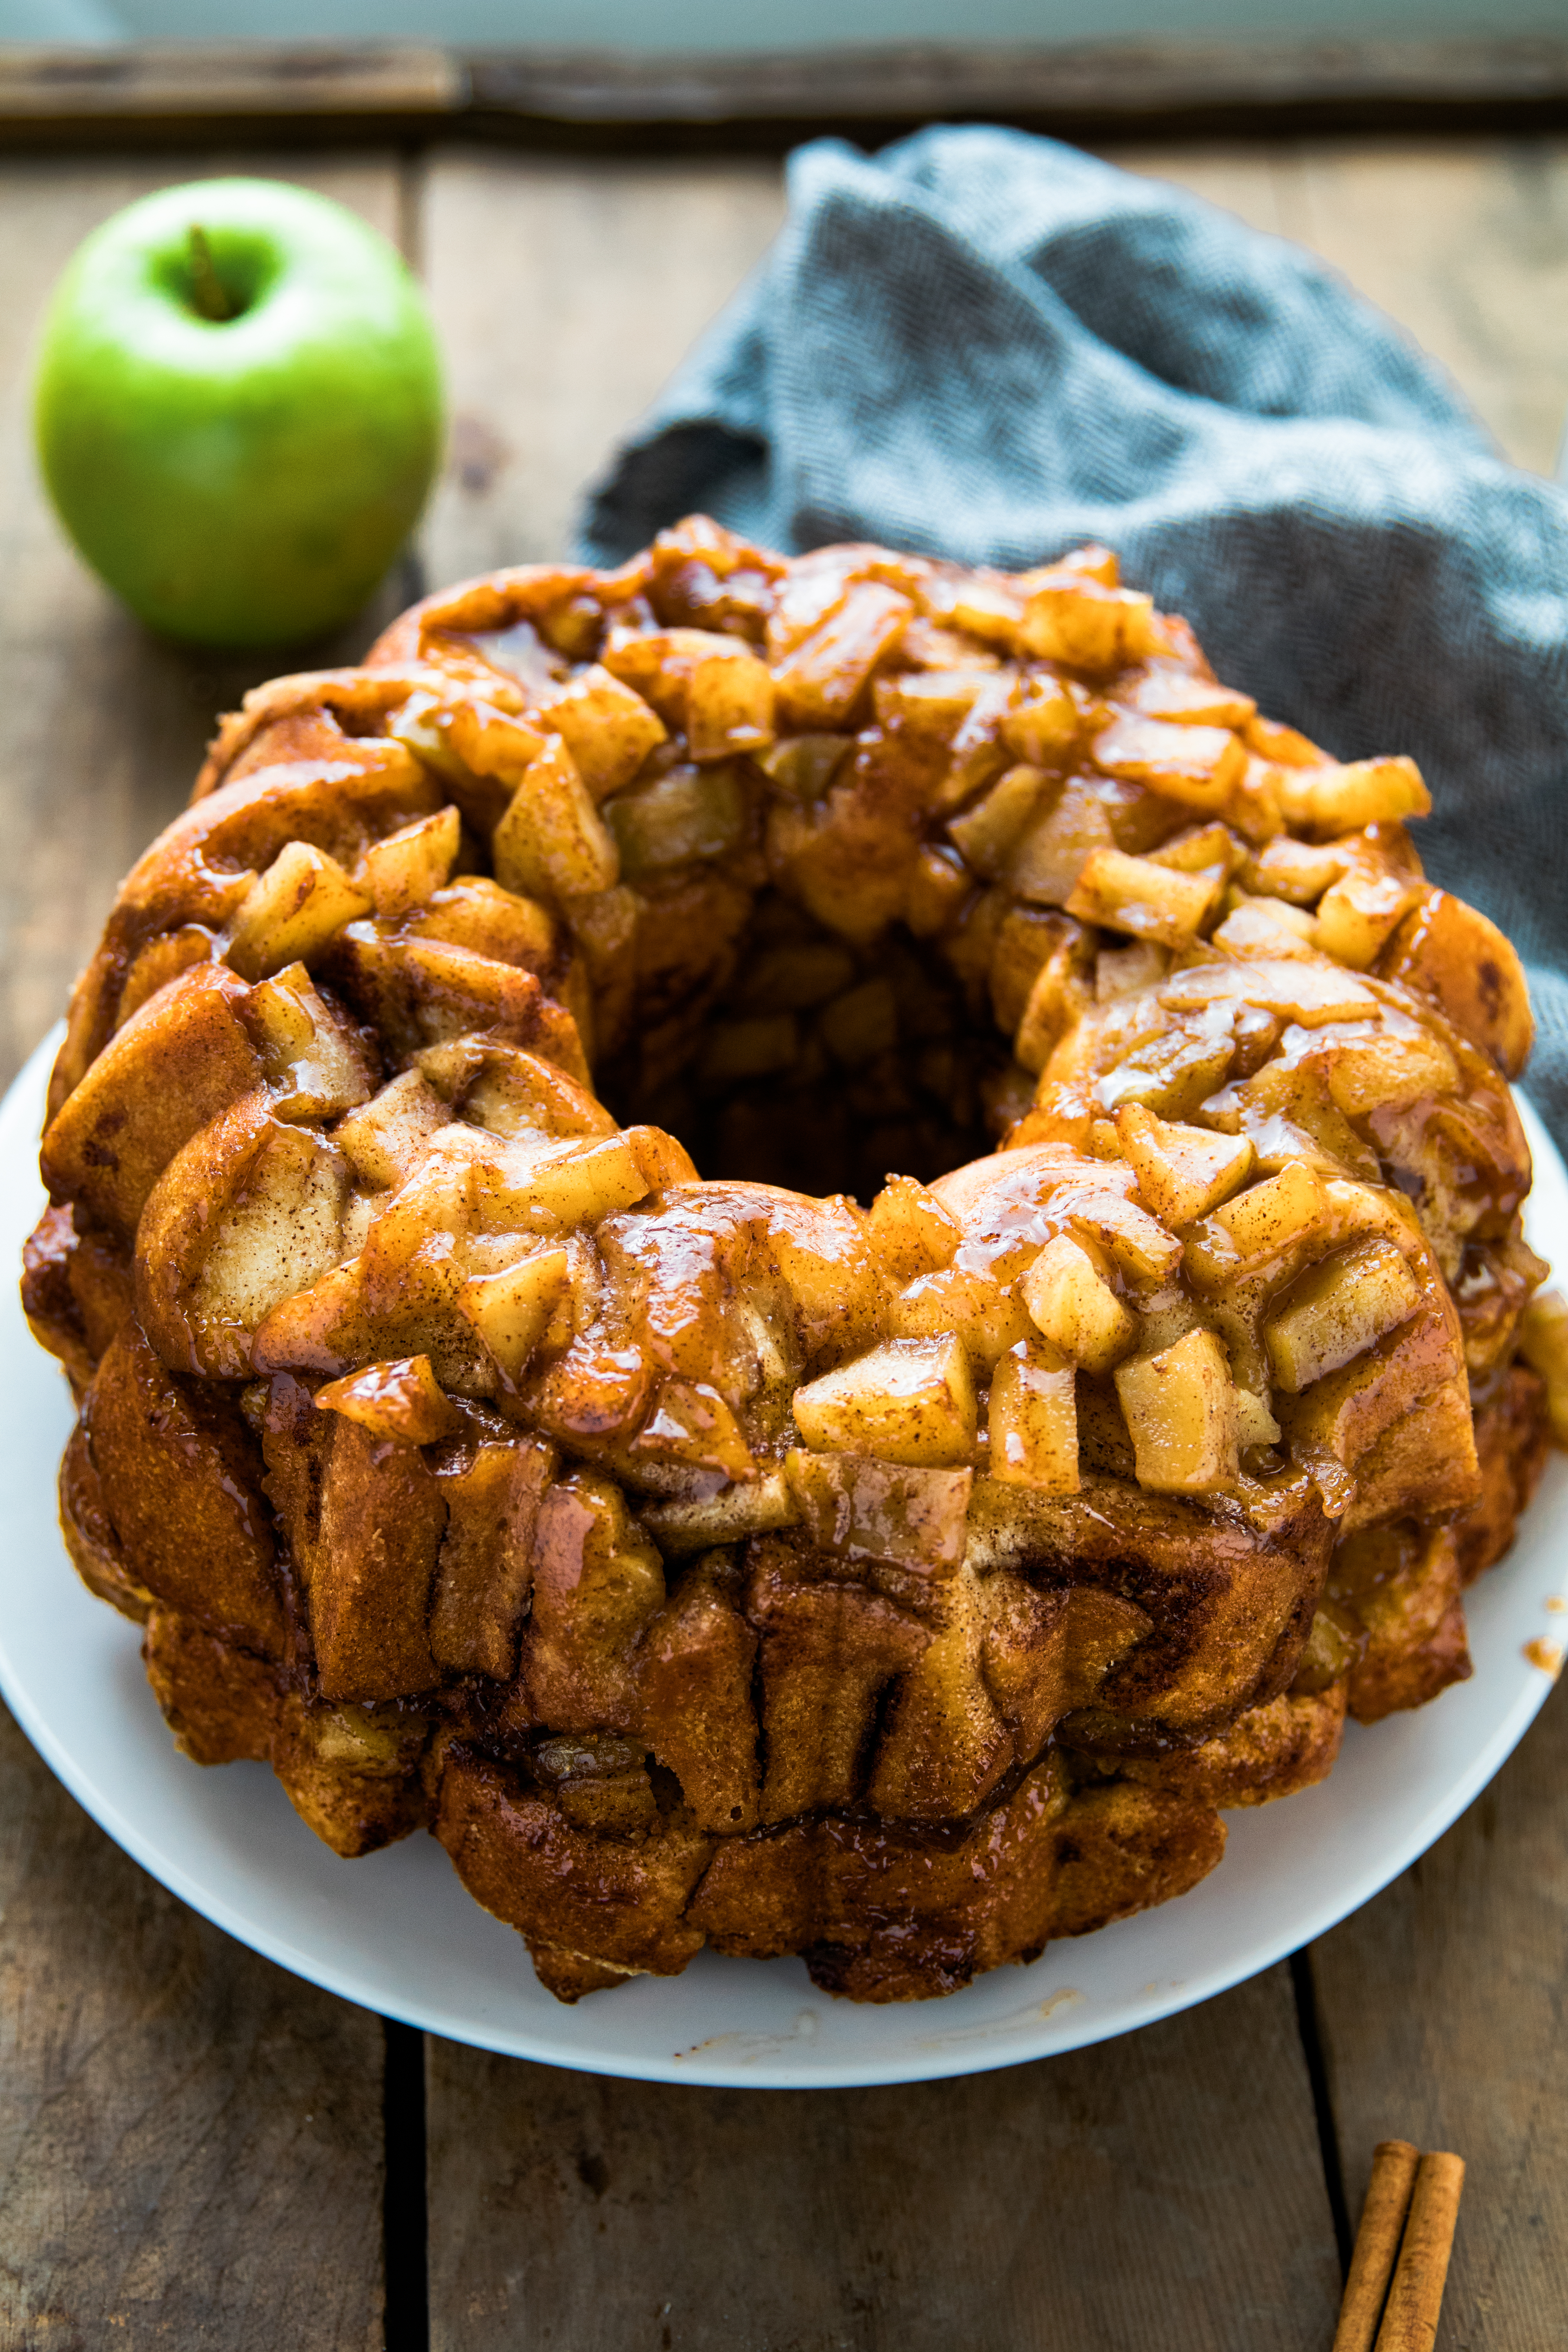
(525, 85)
(1165, 2189)
(190, 2140)
(104, 723)
(1463, 241)
(1441, 2012)
(564, 294)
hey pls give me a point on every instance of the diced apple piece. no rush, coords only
(1265, 927)
(294, 911)
(939, 882)
(406, 869)
(1255, 1424)
(608, 730)
(977, 753)
(657, 664)
(933, 705)
(728, 705)
(1338, 1310)
(1070, 617)
(1058, 993)
(727, 1516)
(1198, 766)
(1201, 849)
(1273, 1216)
(989, 607)
(1299, 871)
(1311, 992)
(1388, 1071)
(385, 1137)
(909, 1401)
(552, 842)
(1072, 1304)
(1034, 1420)
(1138, 1241)
(420, 992)
(803, 766)
(819, 682)
(1180, 1407)
(512, 1310)
(516, 1093)
(988, 1316)
(491, 743)
(688, 812)
(401, 1400)
(1133, 894)
(1188, 701)
(863, 1509)
(1183, 1171)
(1122, 971)
(1360, 911)
(1253, 808)
(312, 1063)
(1041, 722)
(987, 836)
(1174, 1073)
(829, 1269)
(1332, 799)
(568, 1183)
(475, 912)
(1356, 1210)
(1543, 1344)
(1051, 853)
(910, 1231)
(691, 1424)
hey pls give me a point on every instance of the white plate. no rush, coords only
(396, 1933)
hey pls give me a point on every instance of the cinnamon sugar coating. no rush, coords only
(1084, 1368)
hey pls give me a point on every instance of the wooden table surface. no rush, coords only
(196, 2149)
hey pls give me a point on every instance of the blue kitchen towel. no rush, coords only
(988, 346)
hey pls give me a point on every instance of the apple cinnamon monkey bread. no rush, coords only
(898, 1569)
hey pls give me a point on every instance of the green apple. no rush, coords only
(238, 409)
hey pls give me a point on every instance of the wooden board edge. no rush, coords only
(409, 89)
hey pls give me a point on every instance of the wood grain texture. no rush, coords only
(104, 723)
(190, 2140)
(1161, 2190)
(1441, 2010)
(525, 84)
(564, 294)
(1464, 242)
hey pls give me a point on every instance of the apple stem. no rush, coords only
(206, 287)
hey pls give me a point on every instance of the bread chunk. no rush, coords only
(814, 1250)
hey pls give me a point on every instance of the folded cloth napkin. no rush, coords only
(989, 346)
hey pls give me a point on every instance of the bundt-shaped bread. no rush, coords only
(898, 1569)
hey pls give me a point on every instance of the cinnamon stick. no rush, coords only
(1393, 2171)
(1415, 2297)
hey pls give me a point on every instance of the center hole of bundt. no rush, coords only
(822, 1065)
